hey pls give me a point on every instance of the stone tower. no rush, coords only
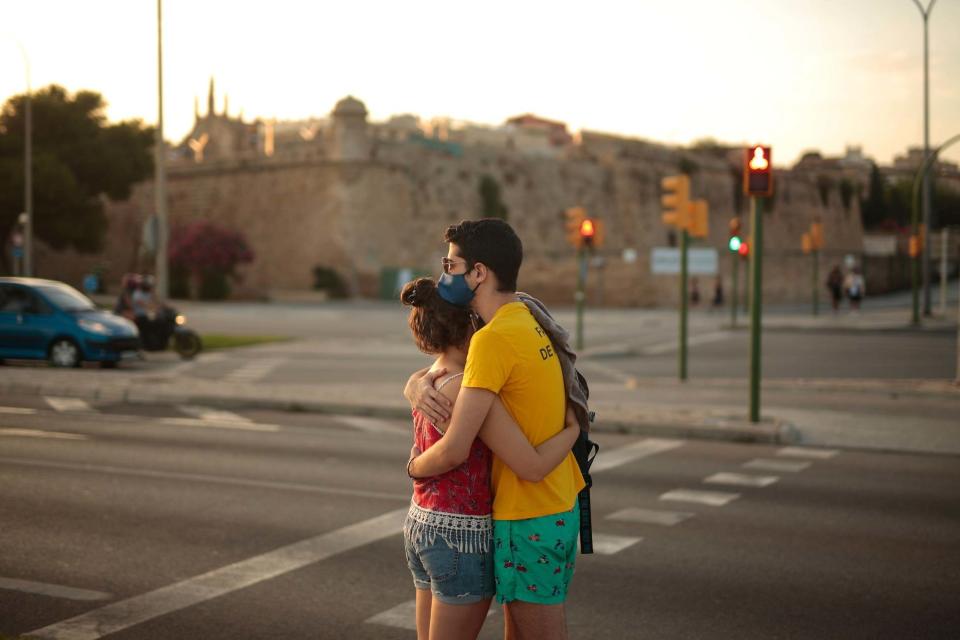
(349, 137)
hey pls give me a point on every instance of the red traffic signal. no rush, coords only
(744, 249)
(757, 171)
(587, 230)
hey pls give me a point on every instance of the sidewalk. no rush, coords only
(714, 409)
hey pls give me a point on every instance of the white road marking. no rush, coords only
(640, 449)
(181, 368)
(254, 370)
(711, 498)
(805, 452)
(782, 466)
(607, 545)
(199, 422)
(53, 590)
(34, 433)
(741, 479)
(667, 347)
(18, 411)
(69, 404)
(198, 477)
(650, 516)
(589, 366)
(213, 415)
(127, 613)
(402, 616)
(374, 425)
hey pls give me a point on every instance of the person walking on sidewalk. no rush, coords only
(448, 530)
(534, 524)
(856, 288)
(835, 285)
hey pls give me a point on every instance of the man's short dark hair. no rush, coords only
(492, 242)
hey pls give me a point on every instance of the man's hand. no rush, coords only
(422, 395)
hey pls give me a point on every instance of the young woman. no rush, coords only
(448, 531)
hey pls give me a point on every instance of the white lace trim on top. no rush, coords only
(465, 533)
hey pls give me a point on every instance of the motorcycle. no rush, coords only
(165, 327)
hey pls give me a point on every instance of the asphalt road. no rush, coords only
(184, 522)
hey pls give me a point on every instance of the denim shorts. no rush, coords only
(454, 577)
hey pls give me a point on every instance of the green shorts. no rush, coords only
(533, 560)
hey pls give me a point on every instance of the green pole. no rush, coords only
(816, 281)
(746, 284)
(734, 300)
(684, 241)
(756, 295)
(580, 296)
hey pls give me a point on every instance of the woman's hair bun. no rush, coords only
(417, 293)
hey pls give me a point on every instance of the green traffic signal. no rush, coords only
(734, 244)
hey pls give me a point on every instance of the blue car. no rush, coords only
(49, 320)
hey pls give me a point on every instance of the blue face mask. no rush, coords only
(455, 290)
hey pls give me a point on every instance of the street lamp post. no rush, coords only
(925, 250)
(27, 169)
(160, 174)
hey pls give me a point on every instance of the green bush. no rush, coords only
(214, 286)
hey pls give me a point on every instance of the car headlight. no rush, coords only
(180, 319)
(94, 326)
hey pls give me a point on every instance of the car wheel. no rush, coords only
(64, 353)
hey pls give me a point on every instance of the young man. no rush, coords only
(535, 524)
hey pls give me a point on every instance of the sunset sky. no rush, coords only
(797, 74)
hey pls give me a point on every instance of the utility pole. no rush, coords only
(927, 221)
(160, 173)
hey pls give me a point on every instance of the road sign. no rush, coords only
(666, 260)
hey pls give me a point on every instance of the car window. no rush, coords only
(67, 298)
(17, 300)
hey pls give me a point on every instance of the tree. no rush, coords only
(491, 204)
(78, 159)
(209, 254)
(873, 210)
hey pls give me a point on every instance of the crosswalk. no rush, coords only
(788, 460)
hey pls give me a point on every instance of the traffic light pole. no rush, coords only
(756, 270)
(816, 281)
(684, 242)
(580, 296)
(735, 300)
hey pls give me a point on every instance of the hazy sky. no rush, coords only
(798, 74)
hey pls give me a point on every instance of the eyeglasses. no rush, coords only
(449, 263)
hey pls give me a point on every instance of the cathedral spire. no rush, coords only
(210, 109)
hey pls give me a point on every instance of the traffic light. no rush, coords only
(744, 249)
(733, 243)
(816, 236)
(699, 222)
(575, 217)
(587, 233)
(806, 243)
(757, 171)
(676, 202)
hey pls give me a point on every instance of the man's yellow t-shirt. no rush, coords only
(513, 357)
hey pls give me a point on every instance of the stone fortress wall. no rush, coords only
(366, 200)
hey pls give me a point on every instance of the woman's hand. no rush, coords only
(422, 395)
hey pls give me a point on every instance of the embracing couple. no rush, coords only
(494, 509)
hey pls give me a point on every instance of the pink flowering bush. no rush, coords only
(207, 254)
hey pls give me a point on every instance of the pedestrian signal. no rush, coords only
(744, 249)
(734, 244)
(757, 171)
(587, 232)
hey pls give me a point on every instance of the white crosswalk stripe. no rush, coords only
(402, 616)
(213, 415)
(650, 516)
(741, 479)
(69, 404)
(255, 370)
(607, 545)
(710, 498)
(780, 466)
(805, 452)
(375, 425)
(34, 433)
(17, 411)
(629, 453)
